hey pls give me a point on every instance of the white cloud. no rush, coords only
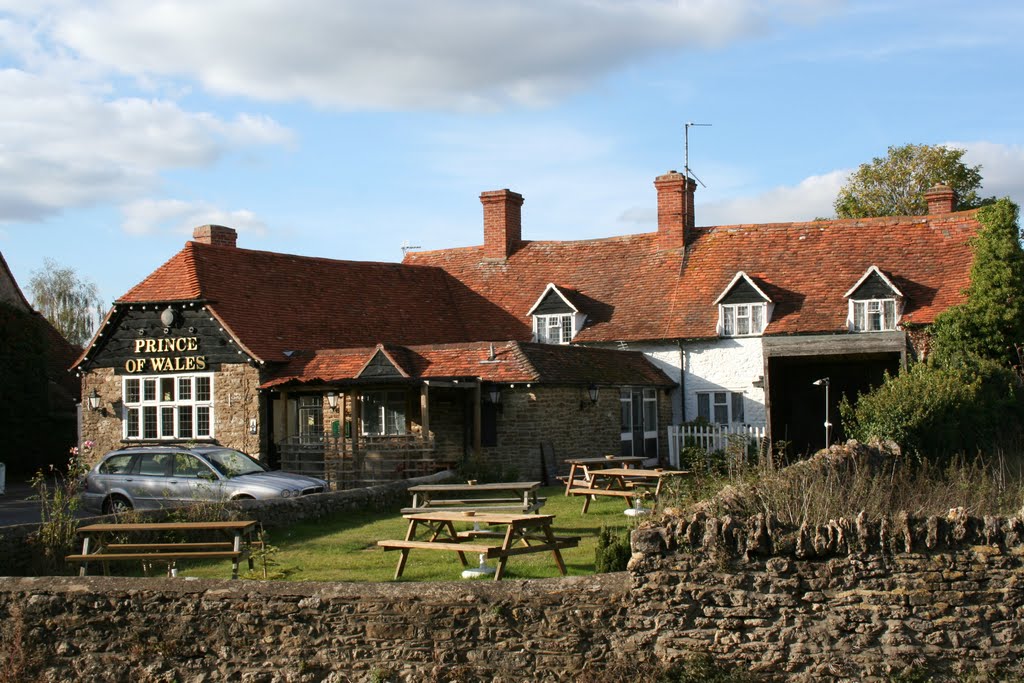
(403, 54)
(147, 216)
(1002, 167)
(64, 144)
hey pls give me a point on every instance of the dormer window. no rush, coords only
(556, 320)
(874, 303)
(553, 329)
(743, 308)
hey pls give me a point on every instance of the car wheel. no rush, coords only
(244, 496)
(115, 505)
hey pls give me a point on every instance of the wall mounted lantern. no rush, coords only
(94, 400)
(332, 399)
(592, 391)
(494, 393)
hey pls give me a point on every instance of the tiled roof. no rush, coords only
(279, 302)
(511, 362)
(630, 290)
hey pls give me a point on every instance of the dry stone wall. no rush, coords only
(854, 600)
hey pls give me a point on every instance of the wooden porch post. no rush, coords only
(477, 454)
(355, 420)
(425, 410)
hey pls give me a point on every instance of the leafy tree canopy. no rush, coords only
(71, 304)
(895, 185)
(989, 324)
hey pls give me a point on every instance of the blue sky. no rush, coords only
(343, 129)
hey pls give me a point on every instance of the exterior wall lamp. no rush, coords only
(494, 394)
(592, 392)
(332, 399)
(253, 426)
(94, 400)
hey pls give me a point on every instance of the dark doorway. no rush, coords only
(797, 405)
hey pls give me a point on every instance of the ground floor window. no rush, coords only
(639, 421)
(720, 407)
(311, 419)
(168, 407)
(383, 413)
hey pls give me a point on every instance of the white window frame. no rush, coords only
(887, 311)
(730, 403)
(730, 315)
(166, 413)
(557, 328)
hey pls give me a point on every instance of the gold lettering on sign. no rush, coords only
(166, 363)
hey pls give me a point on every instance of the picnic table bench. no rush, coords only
(531, 530)
(516, 496)
(622, 482)
(102, 543)
(579, 468)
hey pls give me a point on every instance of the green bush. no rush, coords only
(702, 668)
(613, 551)
(937, 412)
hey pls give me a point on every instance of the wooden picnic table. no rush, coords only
(513, 496)
(532, 531)
(105, 543)
(622, 482)
(579, 467)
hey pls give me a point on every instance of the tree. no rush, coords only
(895, 185)
(989, 324)
(71, 304)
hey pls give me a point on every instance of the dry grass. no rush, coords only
(848, 480)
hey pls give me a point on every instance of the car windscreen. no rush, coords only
(232, 463)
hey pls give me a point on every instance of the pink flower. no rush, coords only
(88, 444)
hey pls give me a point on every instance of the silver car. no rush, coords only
(165, 476)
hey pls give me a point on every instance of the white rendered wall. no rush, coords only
(733, 365)
(666, 358)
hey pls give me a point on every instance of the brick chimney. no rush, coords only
(215, 234)
(503, 223)
(941, 199)
(675, 198)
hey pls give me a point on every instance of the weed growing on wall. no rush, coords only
(613, 552)
(57, 492)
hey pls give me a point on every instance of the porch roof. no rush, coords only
(500, 362)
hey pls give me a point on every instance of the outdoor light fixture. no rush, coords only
(332, 399)
(824, 381)
(94, 400)
(592, 391)
(494, 393)
(253, 425)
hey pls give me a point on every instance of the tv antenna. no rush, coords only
(686, 170)
(406, 247)
(686, 150)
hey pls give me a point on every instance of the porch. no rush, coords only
(346, 464)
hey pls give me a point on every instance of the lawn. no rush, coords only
(344, 547)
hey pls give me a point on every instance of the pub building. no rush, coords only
(356, 371)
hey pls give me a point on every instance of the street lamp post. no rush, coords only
(828, 425)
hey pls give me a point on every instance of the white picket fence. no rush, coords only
(712, 438)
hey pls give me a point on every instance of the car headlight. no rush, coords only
(287, 493)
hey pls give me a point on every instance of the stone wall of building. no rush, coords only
(561, 416)
(102, 426)
(236, 404)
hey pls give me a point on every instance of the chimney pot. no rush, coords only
(215, 234)
(675, 209)
(941, 199)
(503, 222)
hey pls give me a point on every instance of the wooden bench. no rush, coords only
(520, 496)
(97, 545)
(480, 505)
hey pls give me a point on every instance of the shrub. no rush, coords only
(937, 412)
(613, 551)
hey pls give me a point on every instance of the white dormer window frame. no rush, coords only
(556, 328)
(747, 319)
(877, 314)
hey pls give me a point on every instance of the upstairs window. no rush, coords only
(874, 303)
(553, 329)
(556, 320)
(742, 320)
(743, 308)
(873, 315)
